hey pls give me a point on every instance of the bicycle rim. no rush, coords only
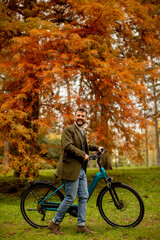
(31, 209)
(130, 209)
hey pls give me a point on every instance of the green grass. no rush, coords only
(145, 181)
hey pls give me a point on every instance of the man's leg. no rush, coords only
(71, 193)
(83, 198)
(82, 203)
(71, 188)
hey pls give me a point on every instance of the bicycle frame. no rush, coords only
(100, 175)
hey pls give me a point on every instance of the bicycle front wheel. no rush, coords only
(31, 209)
(120, 205)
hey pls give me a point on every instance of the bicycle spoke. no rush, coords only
(35, 194)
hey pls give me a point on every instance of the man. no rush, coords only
(72, 169)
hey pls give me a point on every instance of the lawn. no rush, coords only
(145, 181)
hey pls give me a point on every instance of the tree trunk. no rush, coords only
(32, 99)
(106, 159)
(147, 157)
(106, 162)
(90, 163)
(156, 125)
(6, 157)
(157, 142)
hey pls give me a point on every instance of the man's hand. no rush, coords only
(100, 148)
(86, 157)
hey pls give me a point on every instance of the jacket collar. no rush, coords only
(80, 128)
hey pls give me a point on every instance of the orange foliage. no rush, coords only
(66, 53)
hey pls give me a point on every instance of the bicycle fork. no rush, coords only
(117, 202)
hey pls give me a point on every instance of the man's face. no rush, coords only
(80, 118)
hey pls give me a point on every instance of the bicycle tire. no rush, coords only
(123, 214)
(30, 207)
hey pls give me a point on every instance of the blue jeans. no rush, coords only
(72, 189)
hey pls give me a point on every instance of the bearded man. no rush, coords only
(72, 170)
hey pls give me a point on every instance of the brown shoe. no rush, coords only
(55, 228)
(84, 229)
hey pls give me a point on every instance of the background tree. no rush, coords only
(63, 54)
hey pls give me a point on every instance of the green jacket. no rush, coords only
(72, 155)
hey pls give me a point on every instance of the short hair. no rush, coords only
(81, 110)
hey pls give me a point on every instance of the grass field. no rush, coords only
(145, 181)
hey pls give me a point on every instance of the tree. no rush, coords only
(144, 45)
(69, 53)
(153, 84)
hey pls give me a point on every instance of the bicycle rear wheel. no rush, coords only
(120, 205)
(32, 211)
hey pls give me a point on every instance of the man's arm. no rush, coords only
(92, 148)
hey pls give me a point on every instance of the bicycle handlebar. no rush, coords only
(97, 156)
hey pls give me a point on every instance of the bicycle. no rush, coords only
(119, 204)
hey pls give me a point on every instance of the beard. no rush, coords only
(80, 122)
